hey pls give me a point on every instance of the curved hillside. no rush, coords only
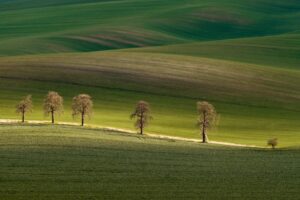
(65, 162)
(255, 102)
(32, 26)
(279, 51)
(243, 56)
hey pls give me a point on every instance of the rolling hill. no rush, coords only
(33, 27)
(243, 56)
(65, 162)
(275, 51)
(254, 102)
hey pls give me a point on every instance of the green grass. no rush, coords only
(278, 51)
(242, 56)
(64, 162)
(33, 27)
(255, 103)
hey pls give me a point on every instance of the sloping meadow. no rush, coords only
(254, 102)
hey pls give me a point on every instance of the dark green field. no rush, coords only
(31, 26)
(64, 162)
(281, 51)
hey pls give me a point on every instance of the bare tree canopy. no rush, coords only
(82, 105)
(53, 103)
(207, 117)
(142, 115)
(273, 142)
(24, 106)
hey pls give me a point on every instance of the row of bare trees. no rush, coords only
(207, 116)
(82, 105)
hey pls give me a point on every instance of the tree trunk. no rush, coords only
(23, 117)
(82, 119)
(142, 130)
(204, 137)
(142, 123)
(52, 116)
(204, 134)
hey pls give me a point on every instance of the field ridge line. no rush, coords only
(152, 135)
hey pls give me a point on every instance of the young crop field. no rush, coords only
(173, 70)
(67, 162)
(243, 57)
(254, 102)
(34, 27)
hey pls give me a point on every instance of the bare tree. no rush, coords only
(83, 105)
(273, 142)
(24, 106)
(207, 116)
(53, 103)
(142, 114)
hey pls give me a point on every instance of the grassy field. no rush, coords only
(65, 162)
(243, 57)
(278, 51)
(33, 27)
(254, 102)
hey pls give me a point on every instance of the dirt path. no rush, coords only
(199, 141)
(10, 121)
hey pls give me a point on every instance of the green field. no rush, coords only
(65, 162)
(277, 51)
(264, 104)
(243, 57)
(31, 26)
